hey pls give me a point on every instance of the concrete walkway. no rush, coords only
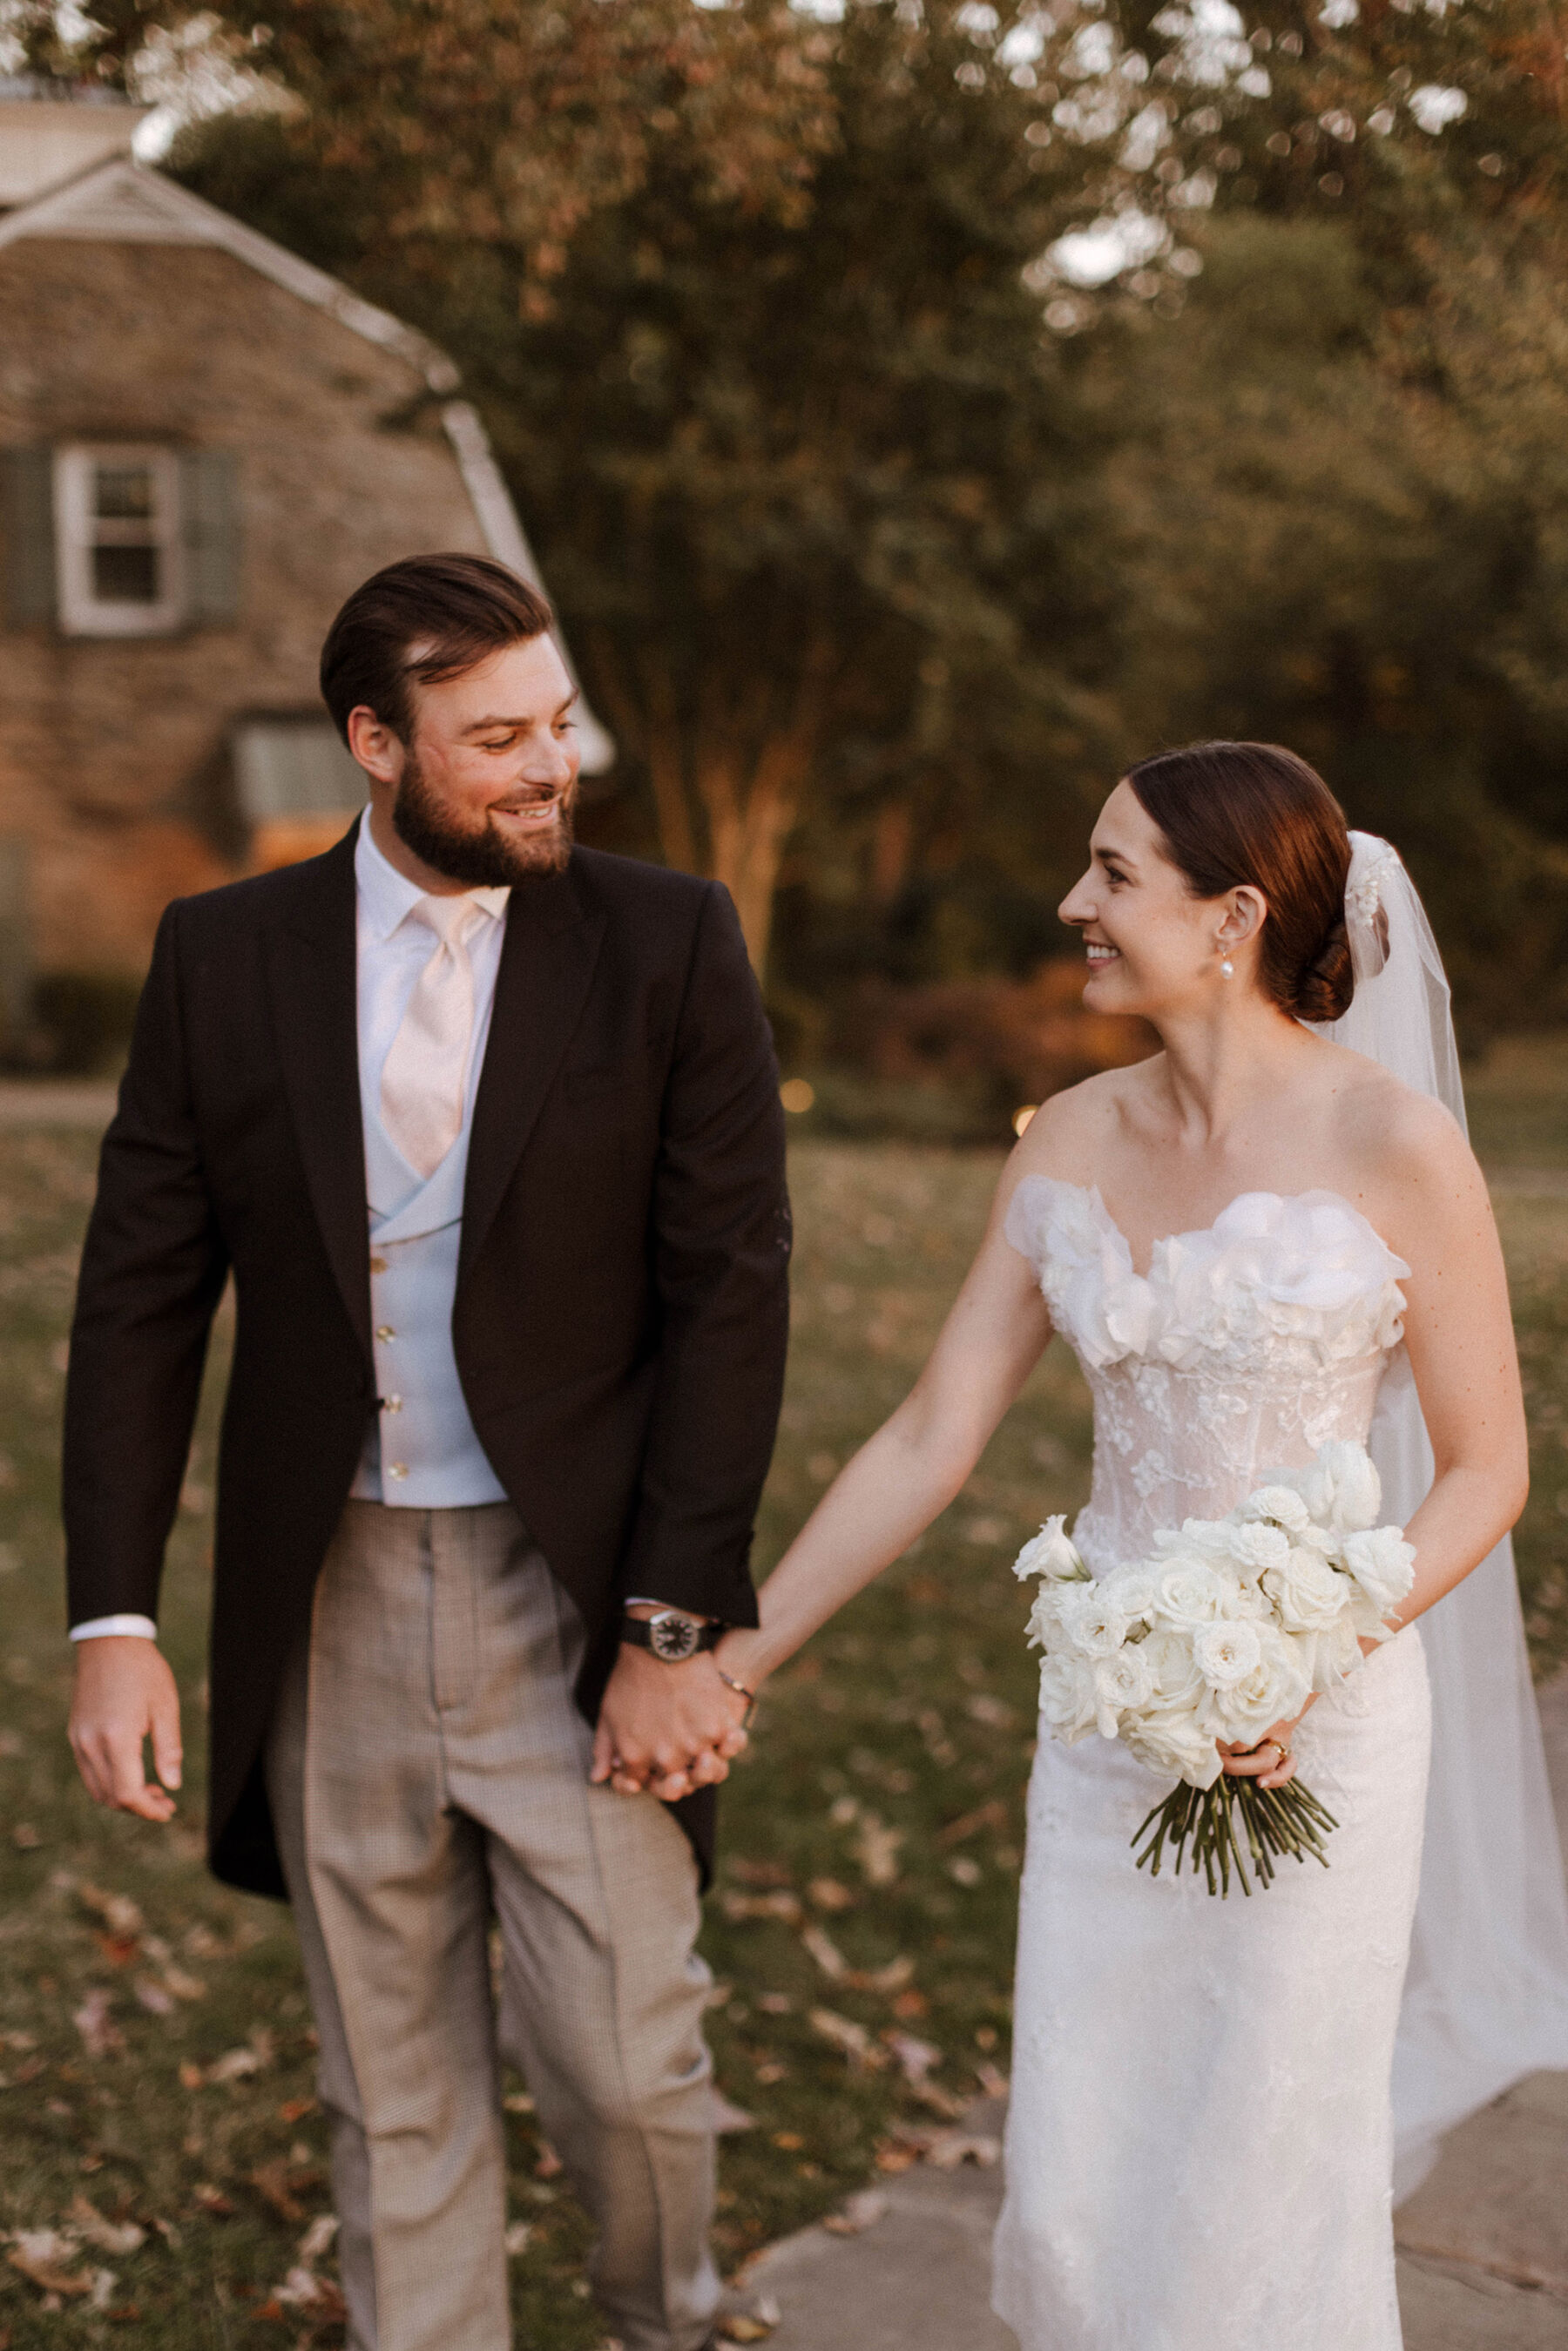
(1483, 2244)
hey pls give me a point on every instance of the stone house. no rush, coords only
(204, 444)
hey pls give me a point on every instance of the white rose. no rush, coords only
(1123, 1681)
(1331, 1655)
(1091, 1625)
(1357, 1490)
(1175, 1743)
(1133, 1590)
(1068, 1699)
(1256, 1547)
(1177, 1678)
(1282, 1504)
(1197, 1538)
(1275, 1690)
(1307, 1593)
(1044, 1630)
(1382, 1564)
(1226, 1654)
(1191, 1593)
(1051, 1553)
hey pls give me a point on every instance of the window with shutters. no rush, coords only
(120, 541)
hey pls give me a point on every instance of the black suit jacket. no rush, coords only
(621, 1311)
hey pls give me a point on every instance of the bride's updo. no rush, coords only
(1251, 812)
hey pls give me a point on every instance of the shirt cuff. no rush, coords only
(96, 1628)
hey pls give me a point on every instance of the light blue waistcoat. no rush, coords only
(421, 1452)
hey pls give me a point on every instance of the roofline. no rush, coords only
(482, 479)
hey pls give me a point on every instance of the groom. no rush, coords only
(486, 1129)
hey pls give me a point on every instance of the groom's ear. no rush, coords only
(376, 748)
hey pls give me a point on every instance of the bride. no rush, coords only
(1235, 1236)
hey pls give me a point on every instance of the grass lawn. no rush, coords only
(154, 2041)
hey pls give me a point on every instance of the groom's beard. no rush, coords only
(481, 857)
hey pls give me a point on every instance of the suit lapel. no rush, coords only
(547, 968)
(312, 970)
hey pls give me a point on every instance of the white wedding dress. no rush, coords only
(1198, 2151)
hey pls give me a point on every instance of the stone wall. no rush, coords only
(112, 751)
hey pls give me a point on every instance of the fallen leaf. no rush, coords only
(294, 2110)
(124, 2313)
(892, 2157)
(845, 2035)
(191, 2075)
(826, 1953)
(120, 1913)
(213, 2199)
(25, 1837)
(948, 2150)
(234, 2065)
(993, 1815)
(518, 2102)
(108, 2236)
(549, 2163)
(858, 2214)
(153, 1998)
(46, 2273)
(829, 1895)
(273, 2181)
(100, 2038)
(741, 2329)
(909, 2006)
(781, 1904)
(991, 2079)
(914, 2058)
(183, 1986)
(890, 1978)
(103, 2285)
(302, 2289)
(118, 1949)
(516, 2241)
(790, 2141)
(317, 2237)
(994, 1712)
(775, 2003)
(772, 2071)
(876, 1850)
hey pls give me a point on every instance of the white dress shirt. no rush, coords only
(391, 952)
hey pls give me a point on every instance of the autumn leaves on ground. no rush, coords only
(161, 2160)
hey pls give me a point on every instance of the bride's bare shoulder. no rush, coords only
(1405, 1143)
(1072, 1132)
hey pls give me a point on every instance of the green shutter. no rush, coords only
(27, 520)
(210, 492)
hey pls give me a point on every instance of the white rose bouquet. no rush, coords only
(1231, 1625)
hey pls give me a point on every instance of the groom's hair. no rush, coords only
(418, 622)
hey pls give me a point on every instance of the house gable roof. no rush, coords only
(126, 203)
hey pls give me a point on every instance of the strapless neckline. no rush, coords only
(1095, 1197)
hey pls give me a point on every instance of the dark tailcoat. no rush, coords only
(620, 1310)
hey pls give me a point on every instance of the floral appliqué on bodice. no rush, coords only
(1245, 1347)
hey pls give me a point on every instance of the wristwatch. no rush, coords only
(671, 1635)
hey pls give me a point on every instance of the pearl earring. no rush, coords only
(1227, 967)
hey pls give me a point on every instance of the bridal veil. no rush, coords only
(1486, 1999)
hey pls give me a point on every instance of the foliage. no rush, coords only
(922, 413)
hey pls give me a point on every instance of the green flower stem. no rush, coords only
(1199, 1824)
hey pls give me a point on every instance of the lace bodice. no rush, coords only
(1245, 1346)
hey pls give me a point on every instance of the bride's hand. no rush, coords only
(1269, 1760)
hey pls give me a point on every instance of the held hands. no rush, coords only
(668, 1728)
(125, 1693)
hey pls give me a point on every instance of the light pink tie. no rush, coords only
(425, 1071)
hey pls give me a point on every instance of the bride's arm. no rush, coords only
(906, 1474)
(1459, 1333)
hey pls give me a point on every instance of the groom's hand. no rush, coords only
(665, 1728)
(126, 1694)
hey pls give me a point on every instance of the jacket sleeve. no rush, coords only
(153, 1272)
(720, 1244)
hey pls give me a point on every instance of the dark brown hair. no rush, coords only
(457, 608)
(1235, 813)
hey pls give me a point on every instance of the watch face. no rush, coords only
(673, 1639)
